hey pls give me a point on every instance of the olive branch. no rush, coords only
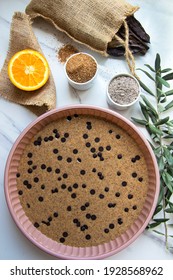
(160, 128)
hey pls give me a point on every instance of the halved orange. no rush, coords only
(28, 70)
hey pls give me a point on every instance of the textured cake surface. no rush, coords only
(82, 180)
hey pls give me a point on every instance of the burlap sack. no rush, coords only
(22, 37)
(91, 22)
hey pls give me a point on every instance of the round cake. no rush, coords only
(82, 180)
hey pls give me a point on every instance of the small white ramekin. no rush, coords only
(118, 106)
(81, 86)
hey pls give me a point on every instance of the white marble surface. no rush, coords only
(157, 20)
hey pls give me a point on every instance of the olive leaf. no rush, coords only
(160, 129)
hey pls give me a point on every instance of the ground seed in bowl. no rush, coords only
(87, 190)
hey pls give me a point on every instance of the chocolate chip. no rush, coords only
(83, 228)
(17, 175)
(133, 160)
(94, 155)
(108, 148)
(118, 136)
(106, 189)
(93, 217)
(88, 144)
(97, 139)
(126, 209)
(49, 169)
(88, 216)
(130, 196)
(76, 115)
(73, 195)
(140, 179)
(69, 159)
(82, 172)
(59, 178)
(30, 162)
(28, 205)
(55, 151)
(106, 230)
(69, 118)
(83, 186)
(50, 219)
(79, 160)
(46, 139)
(70, 189)
(101, 196)
(50, 138)
(117, 194)
(124, 183)
(34, 167)
(36, 225)
(137, 157)
(87, 204)
(57, 135)
(101, 149)
(134, 174)
(110, 131)
(75, 221)
(65, 234)
(29, 155)
(59, 157)
(92, 150)
(69, 208)
(25, 182)
(62, 239)
(75, 185)
(134, 207)
(66, 134)
(55, 131)
(20, 192)
(92, 191)
(63, 186)
(55, 214)
(85, 136)
(120, 221)
(75, 151)
(111, 205)
(63, 139)
(29, 186)
(88, 236)
(57, 170)
(83, 208)
(29, 170)
(42, 187)
(119, 156)
(36, 179)
(111, 226)
(65, 175)
(94, 170)
(40, 198)
(118, 173)
(43, 166)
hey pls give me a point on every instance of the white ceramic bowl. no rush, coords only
(81, 86)
(116, 105)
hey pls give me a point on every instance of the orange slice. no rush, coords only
(28, 70)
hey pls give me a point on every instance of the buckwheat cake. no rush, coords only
(82, 180)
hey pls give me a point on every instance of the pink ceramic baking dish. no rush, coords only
(60, 250)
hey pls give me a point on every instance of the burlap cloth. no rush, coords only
(91, 22)
(22, 37)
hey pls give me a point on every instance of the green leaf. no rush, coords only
(149, 105)
(158, 209)
(154, 129)
(162, 121)
(149, 66)
(160, 220)
(168, 156)
(161, 163)
(146, 73)
(163, 82)
(166, 70)
(146, 88)
(168, 77)
(169, 210)
(167, 180)
(169, 92)
(144, 111)
(142, 122)
(153, 225)
(157, 63)
(169, 105)
(161, 194)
